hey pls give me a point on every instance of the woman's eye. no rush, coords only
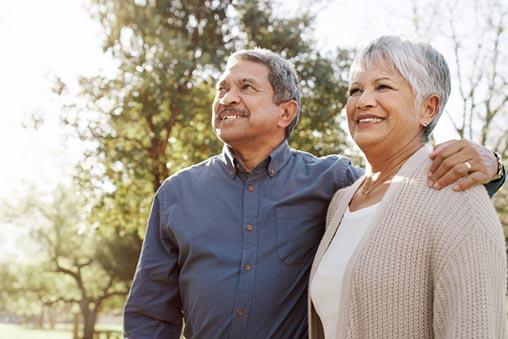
(383, 86)
(353, 91)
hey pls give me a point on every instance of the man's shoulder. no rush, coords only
(327, 161)
(193, 173)
(336, 169)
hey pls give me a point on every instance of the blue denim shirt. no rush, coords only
(230, 252)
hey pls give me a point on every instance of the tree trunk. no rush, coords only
(75, 327)
(40, 319)
(89, 314)
(51, 318)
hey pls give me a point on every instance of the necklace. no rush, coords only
(366, 190)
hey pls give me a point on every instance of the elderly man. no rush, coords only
(230, 241)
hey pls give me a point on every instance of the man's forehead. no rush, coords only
(244, 70)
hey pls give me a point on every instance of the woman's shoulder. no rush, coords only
(453, 215)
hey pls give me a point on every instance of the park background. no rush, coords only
(100, 100)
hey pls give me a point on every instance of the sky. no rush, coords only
(44, 39)
(40, 40)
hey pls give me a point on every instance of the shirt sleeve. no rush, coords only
(351, 173)
(470, 286)
(153, 308)
(494, 186)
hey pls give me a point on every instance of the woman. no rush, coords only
(400, 259)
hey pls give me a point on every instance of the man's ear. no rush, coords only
(429, 109)
(288, 114)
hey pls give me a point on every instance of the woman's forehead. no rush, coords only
(373, 64)
(373, 70)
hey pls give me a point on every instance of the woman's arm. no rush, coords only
(470, 282)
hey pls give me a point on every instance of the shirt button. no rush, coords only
(272, 171)
(247, 267)
(250, 188)
(250, 227)
(240, 312)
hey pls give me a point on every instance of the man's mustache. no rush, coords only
(236, 111)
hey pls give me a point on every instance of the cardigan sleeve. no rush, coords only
(470, 285)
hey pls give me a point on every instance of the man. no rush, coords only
(230, 241)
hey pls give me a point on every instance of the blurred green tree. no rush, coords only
(68, 268)
(152, 117)
(31, 292)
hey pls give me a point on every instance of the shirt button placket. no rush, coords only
(248, 262)
(240, 312)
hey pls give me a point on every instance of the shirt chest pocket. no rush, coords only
(299, 231)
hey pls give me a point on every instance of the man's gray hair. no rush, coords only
(282, 77)
(420, 64)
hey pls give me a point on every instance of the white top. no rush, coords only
(327, 282)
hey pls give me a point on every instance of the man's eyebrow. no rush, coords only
(221, 83)
(249, 81)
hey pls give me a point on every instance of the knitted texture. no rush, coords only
(432, 264)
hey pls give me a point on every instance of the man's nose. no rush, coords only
(230, 97)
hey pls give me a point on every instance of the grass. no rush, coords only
(13, 331)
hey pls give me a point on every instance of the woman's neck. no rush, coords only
(380, 169)
(379, 163)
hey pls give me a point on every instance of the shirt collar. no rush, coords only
(276, 160)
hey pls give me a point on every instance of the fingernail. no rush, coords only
(436, 186)
(429, 174)
(430, 183)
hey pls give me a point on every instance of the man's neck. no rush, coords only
(250, 157)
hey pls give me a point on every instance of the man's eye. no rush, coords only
(248, 87)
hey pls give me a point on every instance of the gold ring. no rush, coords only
(468, 165)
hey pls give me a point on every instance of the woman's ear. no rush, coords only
(288, 114)
(429, 109)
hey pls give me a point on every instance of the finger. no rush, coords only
(445, 151)
(440, 147)
(453, 163)
(450, 176)
(470, 181)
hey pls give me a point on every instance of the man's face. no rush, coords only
(244, 114)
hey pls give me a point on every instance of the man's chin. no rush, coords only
(225, 135)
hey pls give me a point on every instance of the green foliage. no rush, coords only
(25, 289)
(153, 117)
(68, 269)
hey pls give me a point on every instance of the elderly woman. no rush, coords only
(400, 259)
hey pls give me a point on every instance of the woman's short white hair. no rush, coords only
(420, 64)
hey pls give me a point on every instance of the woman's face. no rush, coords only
(381, 109)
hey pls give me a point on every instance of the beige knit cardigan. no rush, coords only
(431, 263)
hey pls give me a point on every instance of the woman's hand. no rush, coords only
(457, 159)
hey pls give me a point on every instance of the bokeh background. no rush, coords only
(100, 100)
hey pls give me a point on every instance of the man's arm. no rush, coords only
(153, 308)
(449, 165)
